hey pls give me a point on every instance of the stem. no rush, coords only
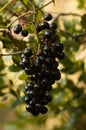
(3, 30)
(45, 5)
(6, 5)
(65, 14)
(74, 36)
(79, 35)
(34, 23)
(14, 53)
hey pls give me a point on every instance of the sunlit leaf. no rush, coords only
(22, 76)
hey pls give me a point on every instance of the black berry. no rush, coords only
(24, 33)
(17, 29)
(47, 16)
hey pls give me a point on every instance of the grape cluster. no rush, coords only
(42, 68)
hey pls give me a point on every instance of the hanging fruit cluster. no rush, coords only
(42, 68)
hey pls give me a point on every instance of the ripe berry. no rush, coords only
(60, 55)
(53, 26)
(49, 98)
(27, 99)
(25, 62)
(27, 52)
(44, 25)
(24, 33)
(44, 110)
(29, 108)
(17, 28)
(47, 16)
(35, 112)
(59, 47)
(47, 34)
(28, 71)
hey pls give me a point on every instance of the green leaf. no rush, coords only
(16, 59)
(22, 76)
(67, 62)
(2, 66)
(67, 24)
(81, 4)
(13, 92)
(14, 68)
(31, 38)
(70, 85)
(83, 21)
(17, 102)
(83, 77)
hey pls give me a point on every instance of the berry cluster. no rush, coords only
(42, 68)
(18, 28)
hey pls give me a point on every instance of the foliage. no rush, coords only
(69, 94)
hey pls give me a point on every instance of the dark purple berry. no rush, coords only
(53, 26)
(29, 108)
(47, 16)
(29, 71)
(44, 110)
(59, 47)
(24, 33)
(47, 34)
(17, 29)
(26, 62)
(44, 25)
(27, 99)
(60, 55)
(27, 52)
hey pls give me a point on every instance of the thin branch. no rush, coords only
(8, 54)
(34, 23)
(24, 4)
(65, 14)
(45, 5)
(3, 30)
(6, 5)
(79, 35)
(74, 36)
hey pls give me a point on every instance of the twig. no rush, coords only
(8, 54)
(6, 5)
(65, 14)
(79, 35)
(13, 53)
(74, 36)
(3, 30)
(34, 23)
